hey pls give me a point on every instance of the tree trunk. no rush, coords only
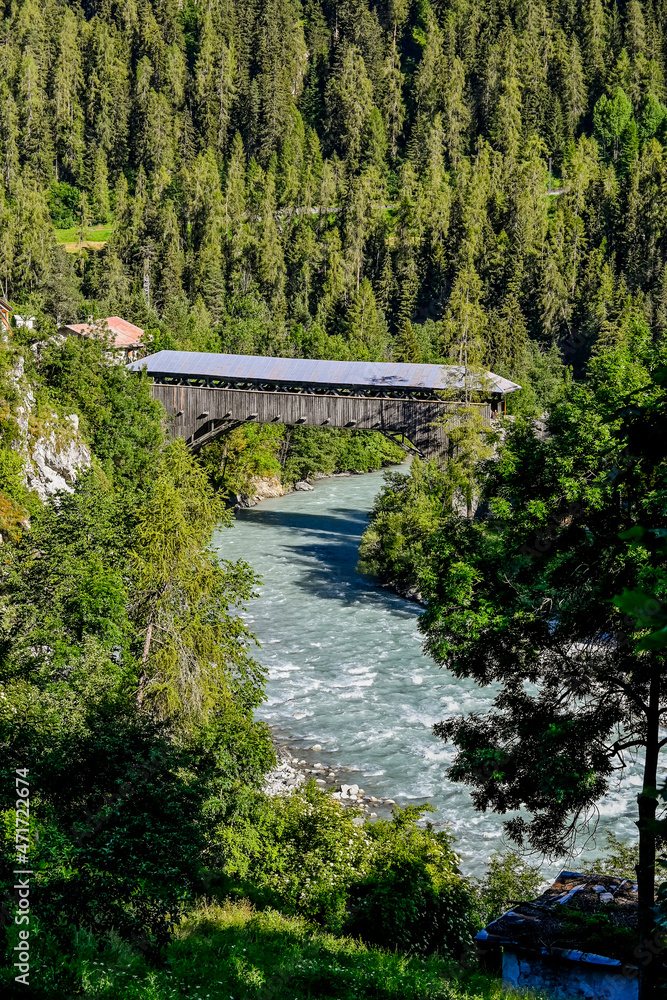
(645, 869)
(143, 676)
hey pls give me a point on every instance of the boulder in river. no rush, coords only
(303, 487)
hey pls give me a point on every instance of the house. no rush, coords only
(24, 321)
(577, 939)
(126, 338)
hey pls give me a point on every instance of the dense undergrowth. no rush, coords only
(232, 952)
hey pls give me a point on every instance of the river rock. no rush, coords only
(243, 500)
(303, 487)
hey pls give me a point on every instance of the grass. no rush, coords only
(231, 952)
(96, 234)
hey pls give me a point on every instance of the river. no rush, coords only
(346, 667)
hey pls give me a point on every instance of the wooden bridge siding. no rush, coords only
(404, 416)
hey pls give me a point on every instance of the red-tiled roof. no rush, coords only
(124, 334)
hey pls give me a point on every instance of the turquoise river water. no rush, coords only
(346, 667)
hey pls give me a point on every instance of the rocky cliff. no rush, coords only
(50, 445)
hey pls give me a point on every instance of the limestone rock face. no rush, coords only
(263, 488)
(52, 448)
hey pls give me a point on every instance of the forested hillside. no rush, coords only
(475, 180)
(310, 178)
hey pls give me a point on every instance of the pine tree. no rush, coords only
(391, 97)
(366, 331)
(270, 259)
(36, 141)
(357, 221)
(456, 112)
(215, 83)
(428, 85)
(349, 105)
(290, 160)
(386, 285)
(464, 323)
(506, 126)
(596, 29)
(282, 63)
(67, 88)
(406, 346)
(99, 189)
(333, 279)
(408, 282)
(9, 135)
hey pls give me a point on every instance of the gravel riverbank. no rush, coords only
(294, 770)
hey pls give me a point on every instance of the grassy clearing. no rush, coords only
(96, 234)
(231, 952)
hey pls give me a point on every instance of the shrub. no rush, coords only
(413, 897)
(508, 880)
(393, 883)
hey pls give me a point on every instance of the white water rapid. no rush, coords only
(347, 670)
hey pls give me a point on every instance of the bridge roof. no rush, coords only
(300, 371)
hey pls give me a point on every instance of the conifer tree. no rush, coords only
(349, 103)
(99, 189)
(406, 346)
(366, 331)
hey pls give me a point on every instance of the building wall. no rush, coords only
(199, 414)
(567, 980)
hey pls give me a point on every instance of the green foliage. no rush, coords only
(330, 449)
(524, 599)
(508, 880)
(232, 461)
(619, 859)
(63, 201)
(12, 482)
(229, 950)
(542, 377)
(300, 854)
(120, 418)
(392, 883)
(413, 897)
(612, 117)
(64, 582)
(194, 648)
(118, 824)
(406, 514)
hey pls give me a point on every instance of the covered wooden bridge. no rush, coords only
(206, 395)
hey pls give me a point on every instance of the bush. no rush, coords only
(508, 880)
(392, 883)
(121, 420)
(413, 897)
(63, 202)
